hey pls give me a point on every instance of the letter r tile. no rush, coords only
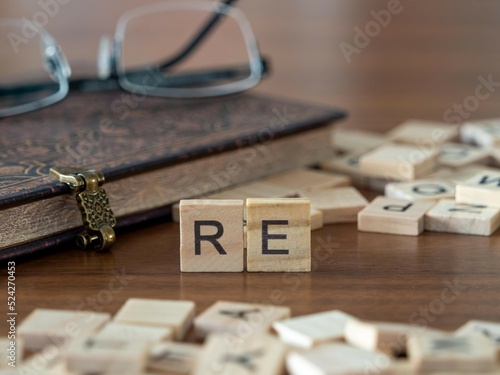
(211, 235)
(278, 235)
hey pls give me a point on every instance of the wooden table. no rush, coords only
(429, 56)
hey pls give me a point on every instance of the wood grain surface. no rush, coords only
(430, 56)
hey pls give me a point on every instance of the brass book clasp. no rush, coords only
(97, 216)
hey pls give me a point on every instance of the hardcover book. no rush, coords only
(152, 151)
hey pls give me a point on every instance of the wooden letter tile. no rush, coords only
(451, 217)
(303, 180)
(211, 235)
(399, 162)
(484, 133)
(91, 355)
(262, 355)
(425, 133)
(394, 216)
(316, 219)
(339, 205)
(457, 155)
(130, 332)
(348, 140)
(242, 320)
(338, 359)
(310, 330)
(347, 164)
(432, 190)
(390, 338)
(56, 327)
(490, 330)
(278, 235)
(482, 189)
(470, 354)
(177, 315)
(173, 358)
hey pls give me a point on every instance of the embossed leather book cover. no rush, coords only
(152, 151)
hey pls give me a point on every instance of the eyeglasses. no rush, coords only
(160, 50)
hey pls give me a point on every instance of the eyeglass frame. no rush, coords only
(110, 70)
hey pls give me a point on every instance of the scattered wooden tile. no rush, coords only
(378, 184)
(211, 235)
(451, 217)
(481, 189)
(347, 164)
(278, 235)
(394, 216)
(56, 327)
(458, 155)
(12, 352)
(348, 140)
(399, 162)
(303, 180)
(484, 133)
(316, 219)
(338, 359)
(311, 330)
(173, 358)
(91, 355)
(390, 338)
(262, 355)
(177, 315)
(176, 216)
(130, 332)
(238, 319)
(491, 330)
(339, 205)
(431, 190)
(445, 352)
(466, 173)
(425, 133)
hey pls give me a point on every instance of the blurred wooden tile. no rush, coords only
(45, 327)
(211, 235)
(303, 180)
(338, 359)
(262, 355)
(316, 219)
(278, 235)
(339, 205)
(12, 352)
(349, 140)
(465, 173)
(451, 217)
(390, 338)
(445, 352)
(176, 216)
(173, 358)
(481, 189)
(238, 319)
(91, 355)
(429, 134)
(177, 315)
(431, 190)
(347, 164)
(458, 155)
(394, 216)
(398, 162)
(491, 330)
(484, 133)
(264, 189)
(314, 329)
(130, 332)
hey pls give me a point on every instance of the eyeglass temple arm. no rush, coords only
(204, 31)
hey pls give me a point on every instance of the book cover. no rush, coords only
(152, 151)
